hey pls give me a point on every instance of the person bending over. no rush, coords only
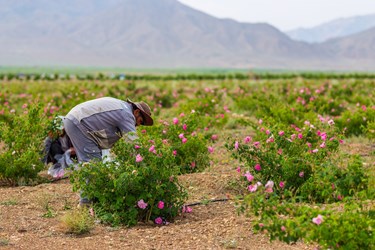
(98, 124)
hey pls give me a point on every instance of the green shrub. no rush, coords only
(348, 226)
(302, 161)
(186, 140)
(141, 185)
(355, 123)
(23, 135)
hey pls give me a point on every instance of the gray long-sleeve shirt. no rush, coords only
(105, 119)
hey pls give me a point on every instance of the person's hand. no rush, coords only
(50, 134)
(72, 151)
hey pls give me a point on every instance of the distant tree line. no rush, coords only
(190, 76)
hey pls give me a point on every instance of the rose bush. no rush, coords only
(141, 184)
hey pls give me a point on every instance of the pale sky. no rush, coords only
(284, 14)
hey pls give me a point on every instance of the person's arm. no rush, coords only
(127, 127)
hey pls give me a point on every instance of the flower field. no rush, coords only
(231, 162)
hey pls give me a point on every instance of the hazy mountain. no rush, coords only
(357, 46)
(145, 33)
(334, 29)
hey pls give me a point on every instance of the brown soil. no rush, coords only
(215, 225)
(211, 226)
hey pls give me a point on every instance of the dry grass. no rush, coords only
(78, 221)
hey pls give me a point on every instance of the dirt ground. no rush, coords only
(215, 225)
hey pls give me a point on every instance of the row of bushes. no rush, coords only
(192, 76)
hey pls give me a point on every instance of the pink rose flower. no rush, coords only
(281, 133)
(323, 136)
(252, 188)
(318, 220)
(248, 176)
(184, 127)
(269, 186)
(159, 221)
(214, 137)
(282, 184)
(270, 140)
(210, 149)
(247, 139)
(236, 145)
(174, 152)
(331, 122)
(181, 136)
(138, 158)
(142, 204)
(187, 209)
(161, 205)
(257, 167)
(175, 121)
(238, 169)
(184, 140)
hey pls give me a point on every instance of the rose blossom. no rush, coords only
(159, 221)
(187, 209)
(269, 186)
(252, 188)
(138, 158)
(248, 176)
(161, 205)
(257, 167)
(247, 139)
(142, 204)
(318, 220)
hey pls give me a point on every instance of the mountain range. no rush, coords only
(160, 34)
(334, 29)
